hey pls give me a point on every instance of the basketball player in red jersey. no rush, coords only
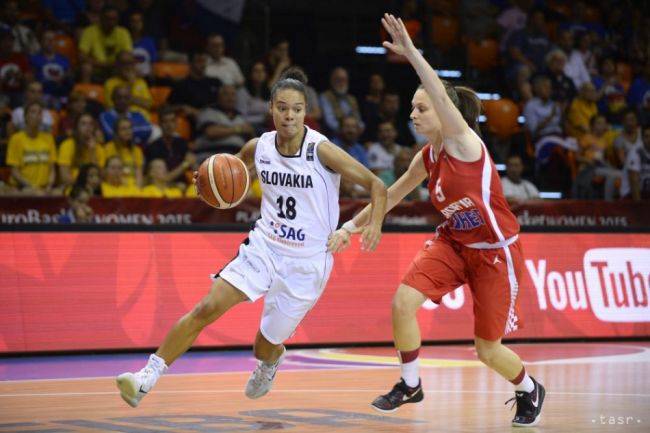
(477, 244)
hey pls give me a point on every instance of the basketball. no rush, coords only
(223, 181)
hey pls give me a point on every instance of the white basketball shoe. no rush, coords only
(134, 386)
(261, 380)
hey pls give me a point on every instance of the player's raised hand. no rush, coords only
(402, 43)
(339, 241)
(370, 236)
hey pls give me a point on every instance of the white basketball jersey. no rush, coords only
(300, 197)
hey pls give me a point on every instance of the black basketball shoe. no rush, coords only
(399, 395)
(529, 406)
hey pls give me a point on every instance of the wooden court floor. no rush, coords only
(596, 387)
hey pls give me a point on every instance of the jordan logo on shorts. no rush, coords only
(496, 260)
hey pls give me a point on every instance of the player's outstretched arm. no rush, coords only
(407, 182)
(349, 168)
(452, 121)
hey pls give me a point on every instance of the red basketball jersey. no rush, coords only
(470, 197)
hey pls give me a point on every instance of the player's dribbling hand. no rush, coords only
(370, 236)
(339, 241)
(402, 42)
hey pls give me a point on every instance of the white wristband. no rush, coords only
(349, 226)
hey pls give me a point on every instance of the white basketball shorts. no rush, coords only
(291, 285)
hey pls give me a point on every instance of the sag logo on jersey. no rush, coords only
(287, 235)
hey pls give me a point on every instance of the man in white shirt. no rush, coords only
(636, 176)
(515, 188)
(219, 66)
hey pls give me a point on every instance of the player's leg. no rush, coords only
(222, 296)
(494, 282)
(295, 289)
(435, 271)
(246, 277)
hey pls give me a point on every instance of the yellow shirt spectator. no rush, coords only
(104, 48)
(190, 191)
(152, 191)
(67, 156)
(140, 89)
(131, 158)
(34, 157)
(593, 147)
(578, 117)
(124, 190)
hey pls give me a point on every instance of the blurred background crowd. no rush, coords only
(117, 98)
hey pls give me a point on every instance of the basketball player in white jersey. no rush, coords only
(285, 256)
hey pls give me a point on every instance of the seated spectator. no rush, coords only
(593, 168)
(278, 60)
(79, 211)
(89, 15)
(144, 46)
(171, 148)
(254, 98)
(348, 139)
(131, 155)
(611, 93)
(222, 129)
(529, 46)
(337, 102)
(53, 71)
(5, 122)
(372, 99)
(31, 154)
(76, 106)
(585, 49)
(638, 96)
(389, 110)
(114, 185)
(100, 44)
(14, 70)
(628, 139)
(563, 90)
(158, 185)
(127, 76)
(221, 67)
(543, 115)
(515, 188)
(513, 19)
(581, 110)
(381, 155)
(142, 129)
(574, 68)
(90, 178)
(636, 179)
(62, 14)
(82, 148)
(196, 91)
(33, 93)
(402, 162)
(25, 41)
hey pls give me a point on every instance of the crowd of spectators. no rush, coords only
(93, 98)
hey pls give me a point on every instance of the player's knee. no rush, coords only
(204, 313)
(487, 353)
(402, 308)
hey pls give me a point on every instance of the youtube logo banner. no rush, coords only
(83, 291)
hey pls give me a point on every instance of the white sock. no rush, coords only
(157, 363)
(526, 384)
(411, 373)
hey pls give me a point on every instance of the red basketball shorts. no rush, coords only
(493, 276)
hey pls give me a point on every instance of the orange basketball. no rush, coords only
(223, 181)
